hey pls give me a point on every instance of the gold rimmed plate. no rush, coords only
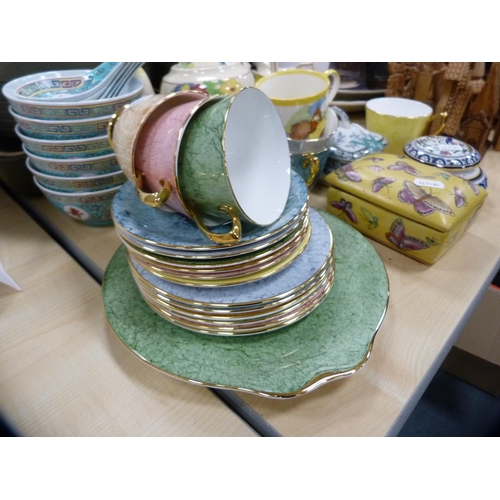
(173, 231)
(214, 266)
(264, 271)
(247, 326)
(235, 315)
(333, 341)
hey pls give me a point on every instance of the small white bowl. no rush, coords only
(74, 167)
(77, 148)
(45, 110)
(77, 184)
(92, 208)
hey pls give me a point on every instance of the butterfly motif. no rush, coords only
(380, 182)
(346, 208)
(472, 185)
(460, 199)
(397, 236)
(423, 202)
(402, 165)
(347, 173)
(371, 219)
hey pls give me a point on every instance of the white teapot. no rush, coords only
(212, 78)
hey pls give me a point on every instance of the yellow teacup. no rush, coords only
(301, 97)
(399, 120)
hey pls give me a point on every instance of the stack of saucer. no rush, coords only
(67, 147)
(272, 277)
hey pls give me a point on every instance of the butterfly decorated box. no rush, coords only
(416, 209)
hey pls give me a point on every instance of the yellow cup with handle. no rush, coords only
(301, 97)
(399, 120)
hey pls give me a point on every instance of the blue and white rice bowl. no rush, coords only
(77, 184)
(61, 130)
(92, 208)
(74, 167)
(43, 109)
(76, 148)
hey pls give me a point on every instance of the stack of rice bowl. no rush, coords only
(68, 150)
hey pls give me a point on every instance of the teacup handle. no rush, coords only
(444, 116)
(112, 123)
(232, 236)
(154, 199)
(313, 162)
(334, 78)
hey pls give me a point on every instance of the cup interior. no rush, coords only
(257, 156)
(399, 107)
(293, 84)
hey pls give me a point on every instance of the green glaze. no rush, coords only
(202, 173)
(331, 342)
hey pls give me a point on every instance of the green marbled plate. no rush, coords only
(331, 342)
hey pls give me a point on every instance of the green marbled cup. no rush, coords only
(233, 164)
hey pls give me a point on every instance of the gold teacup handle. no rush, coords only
(232, 236)
(112, 123)
(313, 162)
(444, 116)
(153, 199)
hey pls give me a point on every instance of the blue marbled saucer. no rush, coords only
(174, 230)
(306, 266)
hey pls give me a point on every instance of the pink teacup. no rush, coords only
(144, 137)
(155, 152)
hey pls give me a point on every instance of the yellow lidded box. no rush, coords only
(416, 209)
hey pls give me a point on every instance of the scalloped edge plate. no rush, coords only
(333, 341)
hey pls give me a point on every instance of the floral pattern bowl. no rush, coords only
(92, 208)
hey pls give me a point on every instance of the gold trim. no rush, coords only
(242, 318)
(265, 236)
(311, 160)
(112, 123)
(154, 199)
(189, 281)
(250, 327)
(219, 273)
(209, 257)
(444, 116)
(228, 314)
(225, 264)
(232, 237)
(307, 388)
(283, 296)
(207, 102)
(300, 100)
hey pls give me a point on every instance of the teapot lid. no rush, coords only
(442, 151)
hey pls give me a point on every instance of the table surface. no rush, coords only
(63, 372)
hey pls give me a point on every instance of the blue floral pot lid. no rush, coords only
(442, 151)
(351, 141)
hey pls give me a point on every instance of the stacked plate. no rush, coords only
(273, 277)
(67, 147)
